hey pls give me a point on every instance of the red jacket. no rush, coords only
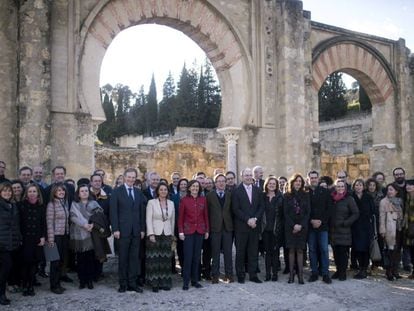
(193, 215)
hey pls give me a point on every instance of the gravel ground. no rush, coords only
(374, 293)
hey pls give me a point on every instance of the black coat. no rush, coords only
(321, 205)
(274, 208)
(362, 228)
(127, 216)
(243, 210)
(293, 217)
(33, 227)
(344, 214)
(10, 236)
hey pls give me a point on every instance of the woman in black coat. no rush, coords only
(10, 236)
(362, 229)
(33, 228)
(344, 214)
(296, 208)
(272, 226)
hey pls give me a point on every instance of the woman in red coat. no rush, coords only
(193, 226)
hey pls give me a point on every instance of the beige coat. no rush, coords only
(155, 223)
(389, 219)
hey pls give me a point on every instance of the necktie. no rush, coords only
(249, 193)
(130, 194)
(221, 194)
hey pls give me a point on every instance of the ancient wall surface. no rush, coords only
(184, 158)
(347, 136)
(8, 78)
(357, 166)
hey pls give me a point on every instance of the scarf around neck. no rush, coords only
(338, 196)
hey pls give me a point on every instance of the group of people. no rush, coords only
(196, 220)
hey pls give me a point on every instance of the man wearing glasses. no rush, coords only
(2, 172)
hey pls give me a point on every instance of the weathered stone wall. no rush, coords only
(347, 136)
(357, 166)
(184, 158)
(8, 77)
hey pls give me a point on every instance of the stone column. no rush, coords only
(231, 135)
(34, 83)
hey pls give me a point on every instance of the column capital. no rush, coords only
(231, 134)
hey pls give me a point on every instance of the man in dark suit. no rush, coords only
(258, 177)
(248, 208)
(221, 229)
(127, 213)
(153, 181)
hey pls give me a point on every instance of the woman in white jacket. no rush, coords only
(160, 218)
(391, 217)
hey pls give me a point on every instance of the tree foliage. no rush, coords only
(332, 102)
(195, 101)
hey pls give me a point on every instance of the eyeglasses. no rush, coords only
(341, 176)
(399, 174)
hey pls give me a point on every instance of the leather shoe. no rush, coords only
(166, 288)
(196, 285)
(274, 278)
(313, 278)
(134, 289)
(240, 280)
(66, 279)
(155, 289)
(90, 285)
(57, 291)
(327, 279)
(122, 289)
(214, 280)
(4, 301)
(185, 287)
(255, 280)
(335, 275)
(228, 279)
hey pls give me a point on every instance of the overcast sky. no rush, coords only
(138, 52)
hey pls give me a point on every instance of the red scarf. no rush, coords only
(338, 196)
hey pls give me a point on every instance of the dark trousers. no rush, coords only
(98, 269)
(129, 264)
(85, 266)
(341, 256)
(206, 259)
(272, 252)
(247, 242)
(362, 260)
(28, 273)
(5, 268)
(221, 241)
(192, 253)
(15, 276)
(411, 248)
(62, 243)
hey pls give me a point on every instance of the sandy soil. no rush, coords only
(374, 293)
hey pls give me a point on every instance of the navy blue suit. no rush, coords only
(128, 217)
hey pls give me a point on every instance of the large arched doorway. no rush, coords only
(367, 65)
(197, 19)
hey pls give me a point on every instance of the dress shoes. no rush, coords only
(66, 279)
(166, 288)
(90, 285)
(274, 278)
(268, 278)
(240, 280)
(214, 280)
(57, 291)
(255, 280)
(185, 287)
(134, 289)
(335, 275)
(327, 279)
(4, 301)
(155, 289)
(228, 279)
(196, 285)
(313, 278)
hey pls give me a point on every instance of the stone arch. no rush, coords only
(358, 59)
(198, 19)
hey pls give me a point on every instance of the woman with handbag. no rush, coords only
(81, 210)
(391, 221)
(409, 221)
(57, 223)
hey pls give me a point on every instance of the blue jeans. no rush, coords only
(318, 241)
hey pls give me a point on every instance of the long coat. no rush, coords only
(362, 228)
(294, 215)
(10, 237)
(277, 222)
(391, 217)
(220, 217)
(33, 228)
(345, 213)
